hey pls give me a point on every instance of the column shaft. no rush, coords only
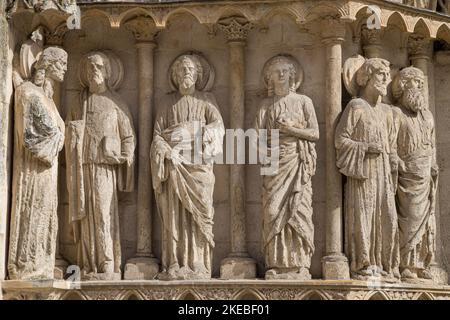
(334, 179)
(237, 171)
(144, 266)
(334, 263)
(144, 201)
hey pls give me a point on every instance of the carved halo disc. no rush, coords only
(205, 82)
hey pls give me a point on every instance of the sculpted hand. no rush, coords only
(434, 170)
(394, 164)
(284, 126)
(374, 148)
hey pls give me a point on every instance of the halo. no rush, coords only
(30, 53)
(298, 68)
(116, 77)
(204, 82)
(351, 67)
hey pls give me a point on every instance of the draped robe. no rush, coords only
(416, 192)
(38, 138)
(101, 130)
(288, 228)
(371, 224)
(184, 189)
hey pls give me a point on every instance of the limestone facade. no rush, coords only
(236, 39)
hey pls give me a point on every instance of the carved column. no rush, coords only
(5, 116)
(238, 264)
(144, 266)
(56, 38)
(371, 42)
(420, 51)
(334, 264)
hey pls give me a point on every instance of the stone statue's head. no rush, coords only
(281, 75)
(376, 73)
(407, 89)
(52, 64)
(186, 71)
(98, 71)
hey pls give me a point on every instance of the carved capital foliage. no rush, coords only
(143, 29)
(56, 37)
(418, 45)
(333, 29)
(370, 36)
(235, 28)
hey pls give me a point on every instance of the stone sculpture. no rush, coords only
(188, 132)
(365, 143)
(100, 148)
(288, 229)
(417, 175)
(38, 139)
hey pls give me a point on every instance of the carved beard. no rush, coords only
(381, 88)
(187, 82)
(96, 83)
(413, 100)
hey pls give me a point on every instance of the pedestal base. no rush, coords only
(238, 268)
(141, 269)
(335, 267)
(215, 289)
(60, 269)
(439, 275)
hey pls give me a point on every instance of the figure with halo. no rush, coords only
(188, 134)
(38, 139)
(100, 148)
(288, 229)
(417, 176)
(365, 143)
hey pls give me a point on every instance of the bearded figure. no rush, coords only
(417, 175)
(100, 162)
(365, 144)
(188, 133)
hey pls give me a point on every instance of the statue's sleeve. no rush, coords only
(260, 121)
(157, 154)
(128, 145)
(214, 130)
(41, 134)
(350, 153)
(310, 115)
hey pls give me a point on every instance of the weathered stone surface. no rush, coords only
(320, 36)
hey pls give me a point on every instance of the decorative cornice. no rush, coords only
(235, 28)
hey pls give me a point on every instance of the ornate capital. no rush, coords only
(370, 36)
(371, 42)
(143, 29)
(333, 29)
(235, 28)
(55, 37)
(419, 45)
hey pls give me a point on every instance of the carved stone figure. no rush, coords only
(365, 143)
(423, 4)
(38, 138)
(188, 126)
(288, 229)
(100, 162)
(417, 175)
